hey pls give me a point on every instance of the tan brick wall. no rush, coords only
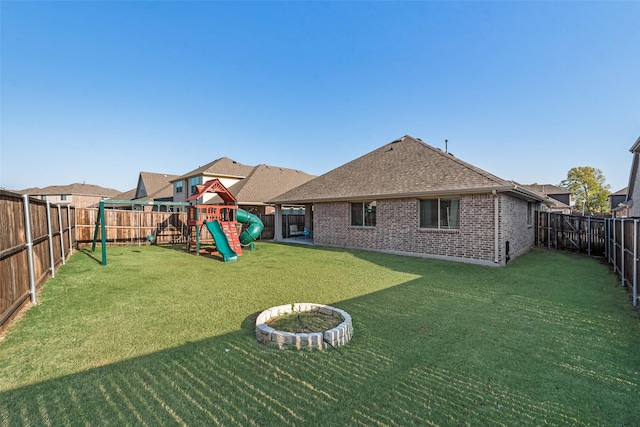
(514, 226)
(84, 201)
(398, 230)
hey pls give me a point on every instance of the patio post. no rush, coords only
(277, 234)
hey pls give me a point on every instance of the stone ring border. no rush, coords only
(338, 336)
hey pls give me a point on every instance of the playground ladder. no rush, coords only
(231, 231)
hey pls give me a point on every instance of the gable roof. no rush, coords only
(265, 182)
(153, 185)
(406, 167)
(222, 167)
(75, 189)
(621, 192)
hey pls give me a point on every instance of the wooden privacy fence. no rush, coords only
(35, 238)
(615, 239)
(132, 227)
(571, 232)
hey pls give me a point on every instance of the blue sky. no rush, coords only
(96, 92)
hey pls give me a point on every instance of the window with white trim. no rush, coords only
(363, 214)
(440, 213)
(192, 184)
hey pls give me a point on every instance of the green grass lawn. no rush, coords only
(161, 337)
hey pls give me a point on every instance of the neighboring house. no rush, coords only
(126, 195)
(632, 202)
(559, 198)
(78, 195)
(228, 171)
(252, 186)
(262, 184)
(410, 198)
(152, 187)
(616, 200)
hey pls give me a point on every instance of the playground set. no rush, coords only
(222, 221)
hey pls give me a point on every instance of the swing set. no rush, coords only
(101, 226)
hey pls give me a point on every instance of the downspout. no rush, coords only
(496, 223)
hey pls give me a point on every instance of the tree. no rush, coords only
(587, 185)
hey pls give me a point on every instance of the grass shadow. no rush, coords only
(93, 255)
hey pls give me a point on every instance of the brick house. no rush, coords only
(559, 198)
(252, 186)
(410, 198)
(152, 187)
(79, 195)
(616, 203)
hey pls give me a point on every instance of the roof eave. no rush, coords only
(417, 194)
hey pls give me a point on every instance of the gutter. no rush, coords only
(458, 191)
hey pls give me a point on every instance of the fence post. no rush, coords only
(27, 230)
(606, 236)
(615, 250)
(635, 262)
(69, 228)
(61, 235)
(589, 235)
(50, 231)
(622, 245)
(607, 251)
(103, 230)
(549, 229)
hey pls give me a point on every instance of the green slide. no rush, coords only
(221, 241)
(253, 229)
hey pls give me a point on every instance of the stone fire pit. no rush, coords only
(340, 335)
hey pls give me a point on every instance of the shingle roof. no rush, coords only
(265, 182)
(404, 167)
(156, 185)
(222, 167)
(75, 189)
(548, 189)
(621, 192)
(126, 195)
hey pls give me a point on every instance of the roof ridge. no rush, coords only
(461, 162)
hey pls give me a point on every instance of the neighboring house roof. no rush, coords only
(557, 204)
(265, 182)
(621, 192)
(222, 167)
(127, 195)
(153, 186)
(551, 191)
(406, 167)
(548, 189)
(75, 189)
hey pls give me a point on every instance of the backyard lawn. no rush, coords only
(161, 337)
